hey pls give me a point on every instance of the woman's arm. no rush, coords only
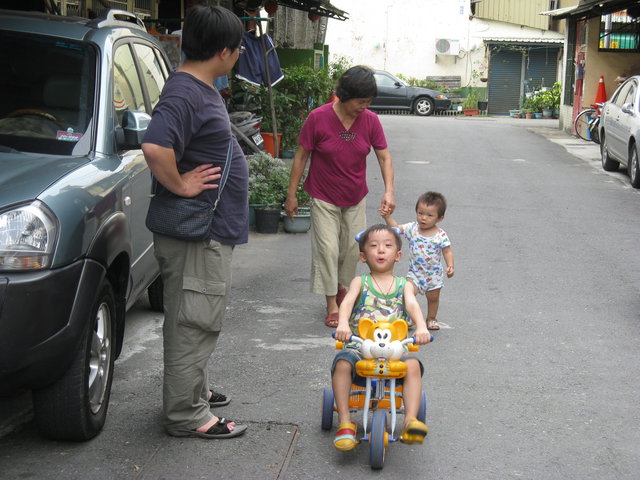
(388, 204)
(297, 169)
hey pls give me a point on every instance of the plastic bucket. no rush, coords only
(268, 142)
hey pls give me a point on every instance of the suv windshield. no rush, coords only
(46, 94)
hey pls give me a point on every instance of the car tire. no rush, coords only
(608, 164)
(75, 406)
(155, 291)
(633, 167)
(423, 107)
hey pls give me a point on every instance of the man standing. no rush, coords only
(188, 145)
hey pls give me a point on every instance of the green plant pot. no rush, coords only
(301, 222)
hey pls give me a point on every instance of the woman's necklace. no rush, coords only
(393, 281)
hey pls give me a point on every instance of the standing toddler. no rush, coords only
(428, 244)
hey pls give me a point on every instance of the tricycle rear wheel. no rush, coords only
(327, 409)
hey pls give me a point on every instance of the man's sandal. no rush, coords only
(414, 432)
(220, 429)
(218, 399)
(346, 437)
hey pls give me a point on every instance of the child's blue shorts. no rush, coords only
(352, 355)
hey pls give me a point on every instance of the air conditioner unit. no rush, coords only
(445, 46)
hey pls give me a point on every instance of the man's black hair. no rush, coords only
(208, 30)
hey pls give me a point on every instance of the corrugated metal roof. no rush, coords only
(593, 8)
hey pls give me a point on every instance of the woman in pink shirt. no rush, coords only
(337, 137)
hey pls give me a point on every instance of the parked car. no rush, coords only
(75, 99)
(394, 94)
(620, 130)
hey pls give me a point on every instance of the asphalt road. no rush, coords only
(534, 376)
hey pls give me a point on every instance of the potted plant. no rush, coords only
(470, 104)
(302, 220)
(268, 182)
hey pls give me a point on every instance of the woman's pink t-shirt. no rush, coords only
(338, 168)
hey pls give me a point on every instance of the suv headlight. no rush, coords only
(27, 237)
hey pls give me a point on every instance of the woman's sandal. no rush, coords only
(346, 437)
(220, 429)
(414, 432)
(331, 320)
(433, 325)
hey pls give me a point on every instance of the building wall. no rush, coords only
(400, 36)
(607, 64)
(519, 12)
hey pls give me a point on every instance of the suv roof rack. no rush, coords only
(117, 18)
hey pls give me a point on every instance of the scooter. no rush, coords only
(246, 127)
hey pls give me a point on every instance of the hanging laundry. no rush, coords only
(251, 66)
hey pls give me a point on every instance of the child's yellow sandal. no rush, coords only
(346, 437)
(414, 432)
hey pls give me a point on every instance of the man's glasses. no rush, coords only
(242, 49)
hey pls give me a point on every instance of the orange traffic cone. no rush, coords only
(601, 93)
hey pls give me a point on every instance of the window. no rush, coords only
(631, 94)
(620, 32)
(127, 89)
(152, 72)
(384, 81)
(621, 98)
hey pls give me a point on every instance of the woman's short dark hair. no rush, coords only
(357, 82)
(208, 30)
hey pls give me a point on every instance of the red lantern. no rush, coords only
(314, 17)
(270, 6)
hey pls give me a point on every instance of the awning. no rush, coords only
(318, 7)
(592, 8)
(524, 41)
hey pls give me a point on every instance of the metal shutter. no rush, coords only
(542, 67)
(505, 71)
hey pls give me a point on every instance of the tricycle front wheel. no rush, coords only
(378, 439)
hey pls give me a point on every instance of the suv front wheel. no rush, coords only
(75, 407)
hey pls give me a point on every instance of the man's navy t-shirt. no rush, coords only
(191, 119)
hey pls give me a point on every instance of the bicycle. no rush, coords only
(587, 122)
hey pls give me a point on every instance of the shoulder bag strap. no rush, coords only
(225, 172)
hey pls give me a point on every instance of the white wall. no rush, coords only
(400, 36)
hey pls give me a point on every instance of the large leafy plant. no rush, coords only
(268, 179)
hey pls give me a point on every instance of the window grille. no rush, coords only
(619, 32)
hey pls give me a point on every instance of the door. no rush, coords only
(618, 122)
(138, 80)
(505, 72)
(391, 91)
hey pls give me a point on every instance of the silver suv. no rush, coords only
(75, 98)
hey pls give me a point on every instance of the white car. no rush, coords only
(620, 130)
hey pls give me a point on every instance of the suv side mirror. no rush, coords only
(134, 126)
